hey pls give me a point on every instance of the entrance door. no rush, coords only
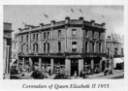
(103, 65)
(74, 66)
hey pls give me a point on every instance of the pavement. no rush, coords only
(117, 74)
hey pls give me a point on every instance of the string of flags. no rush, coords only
(72, 10)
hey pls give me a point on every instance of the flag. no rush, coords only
(45, 15)
(80, 11)
(72, 10)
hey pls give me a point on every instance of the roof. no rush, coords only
(54, 24)
(7, 27)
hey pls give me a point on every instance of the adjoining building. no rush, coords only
(114, 48)
(7, 32)
(70, 45)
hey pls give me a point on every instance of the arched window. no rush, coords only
(116, 51)
(86, 46)
(21, 48)
(74, 46)
(59, 33)
(100, 47)
(26, 48)
(108, 51)
(97, 47)
(37, 36)
(93, 47)
(21, 38)
(99, 35)
(48, 47)
(44, 35)
(122, 51)
(35, 47)
(59, 46)
(27, 38)
(44, 47)
(73, 32)
(33, 36)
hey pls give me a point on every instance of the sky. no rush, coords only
(34, 14)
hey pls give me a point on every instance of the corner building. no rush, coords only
(70, 45)
(7, 45)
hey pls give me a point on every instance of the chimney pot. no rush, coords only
(41, 24)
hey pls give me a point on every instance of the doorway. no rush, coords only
(74, 66)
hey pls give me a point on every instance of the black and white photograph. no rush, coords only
(63, 42)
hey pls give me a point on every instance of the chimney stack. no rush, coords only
(53, 22)
(41, 24)
(67, 19)
(103, 24)
(92, 21)
(81, 18)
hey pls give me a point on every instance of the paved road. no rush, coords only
(117, 74)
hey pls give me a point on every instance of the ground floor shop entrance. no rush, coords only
(74, 67)
(66, 66)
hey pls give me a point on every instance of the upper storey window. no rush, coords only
(116, 51)
(86, 46)
(99, 35)
(59, 46)
(59, 33)
(26, 48)
(35, 48)
(48, 48)
(46, 35)
(93, 34)
(26, 37)
(122, 51)
(33, 36)
(87, 33)
(36, 36)
(21, 38)
(102, 36)
(74, 46)
(73, 32)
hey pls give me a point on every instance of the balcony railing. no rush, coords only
(64, 54)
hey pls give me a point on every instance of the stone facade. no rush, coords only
(114, 47)
(7, 48)
(72, 44)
